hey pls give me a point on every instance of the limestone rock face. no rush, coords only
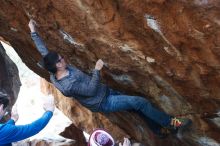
(167, 51)
(9, 77)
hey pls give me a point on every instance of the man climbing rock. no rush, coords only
(94, 95)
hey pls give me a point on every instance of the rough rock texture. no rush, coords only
(46, 142)
(166, 50)
(72, 132)
(9, 77)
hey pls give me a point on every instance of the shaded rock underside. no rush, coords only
(9, 77)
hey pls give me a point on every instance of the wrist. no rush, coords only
(32, 31)
(50, 110)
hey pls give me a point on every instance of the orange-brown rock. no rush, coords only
(165, 50)
(72, 132)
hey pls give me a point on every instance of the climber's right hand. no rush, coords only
(99, 64)
(32, 25)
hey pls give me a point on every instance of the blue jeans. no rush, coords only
(118, 102)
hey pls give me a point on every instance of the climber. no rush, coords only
(94, 95)
(9, 132)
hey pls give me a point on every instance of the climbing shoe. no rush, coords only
(179, 125)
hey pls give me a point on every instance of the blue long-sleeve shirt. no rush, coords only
(9, 132)
(88, 90)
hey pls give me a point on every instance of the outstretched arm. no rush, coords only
(12, 133)
(41, 47)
